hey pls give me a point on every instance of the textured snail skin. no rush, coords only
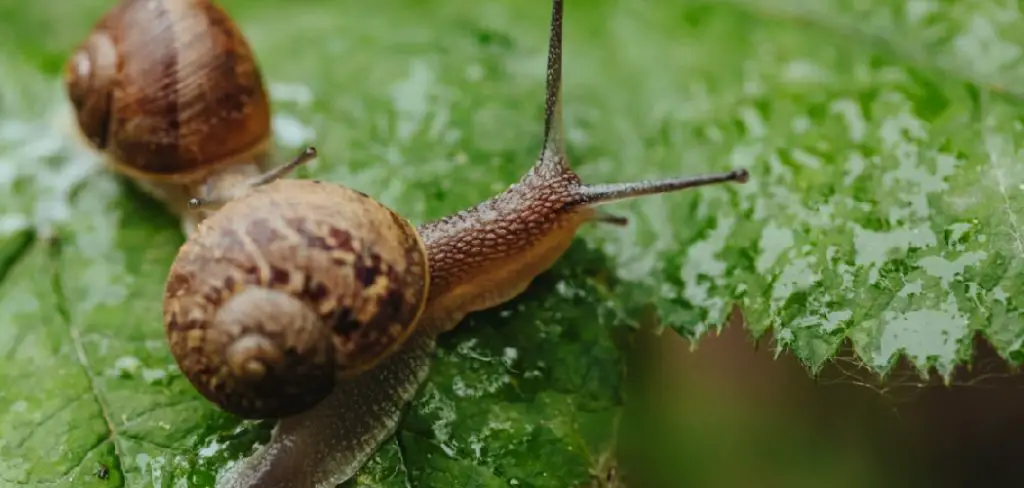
(170, 92)
(477, 258)
(282, 293)
(489, 254)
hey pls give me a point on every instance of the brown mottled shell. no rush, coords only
(284, 291)
(169, 89)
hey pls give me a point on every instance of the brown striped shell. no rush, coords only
(289, 288)
(169, 90)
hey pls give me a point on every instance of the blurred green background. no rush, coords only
(728, 414)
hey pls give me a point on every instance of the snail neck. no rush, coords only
(490, 253)
(230, 182)
(216, 188)
(223, 183)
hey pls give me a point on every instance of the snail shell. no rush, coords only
(279, 295)
(169, 90)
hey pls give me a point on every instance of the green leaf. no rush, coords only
(882, 140)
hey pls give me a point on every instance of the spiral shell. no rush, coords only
(287, 290)
(169, 90)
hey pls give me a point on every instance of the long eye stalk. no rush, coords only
(553, 160)
(610, 192)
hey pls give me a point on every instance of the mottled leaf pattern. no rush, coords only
(883, 139)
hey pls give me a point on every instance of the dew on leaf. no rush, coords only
(509, 356)
(142, 460)
(805, 71)
(701, 261)
(998, 293)
(478, 441)
(12, 223)
(28, 150)
(947, 270)
(902, 129)
(956, 231)
(475, 72)
(774, 239)
(291, 132)
(482, 384)
(938, 343)
(297, 93)
(753, 122)
(412, 99)
(806, 159)
(798, 274)
(801, 124)
(745, 155)
(983, 48)
(873, 248)
(469, 348)
(154, 376)
(855, 164)
(911, 288)
(126, 366)
(784, 338)
(853, 116)
(918, 10)
(210, 449)
(832, 204)
(432, 401)
(833, 319)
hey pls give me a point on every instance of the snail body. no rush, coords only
(169, 91)
(472, 260)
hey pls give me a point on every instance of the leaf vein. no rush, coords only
(46, 419)
(76, 340)
(1014, 226)
(154, 408)
(22, 242)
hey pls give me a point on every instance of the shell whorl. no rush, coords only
(274, 347)
(288, 289)
(181, 91)
(89, 76)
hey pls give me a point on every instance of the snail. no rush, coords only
(169, 91)
(314, 304)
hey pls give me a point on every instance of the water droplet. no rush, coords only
(774, 240)
(292, 132)
(509, 356)
(153, 376)
(210, 449)
(126, 366)
(297, 93)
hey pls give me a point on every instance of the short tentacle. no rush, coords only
(215, 199)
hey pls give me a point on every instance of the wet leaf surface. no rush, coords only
(883, 140)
